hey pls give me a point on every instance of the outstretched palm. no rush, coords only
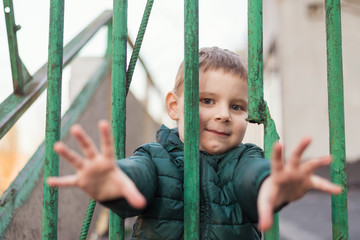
(289, 182)
(96, 173)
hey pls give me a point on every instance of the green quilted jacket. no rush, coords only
(229, 185)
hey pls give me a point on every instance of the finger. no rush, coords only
(65, 181)
(72, 157)
(277, 159)
(134, 197)
(265, 218)
(107, 145)
(325, 185)
(129, 191)
(266, 203)
(295, 158)
(87, 145)
(313, 164)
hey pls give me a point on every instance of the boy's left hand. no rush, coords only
(289, 182)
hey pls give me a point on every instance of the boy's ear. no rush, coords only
(172, 105)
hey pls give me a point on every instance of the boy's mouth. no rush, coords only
(218, 133)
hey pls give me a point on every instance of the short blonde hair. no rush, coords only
(214, 58)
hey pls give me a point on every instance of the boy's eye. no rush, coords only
(236, 107)
(207, 101)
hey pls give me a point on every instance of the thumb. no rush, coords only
(266, 203)
(133, 196)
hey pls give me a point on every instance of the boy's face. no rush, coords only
(223, 103)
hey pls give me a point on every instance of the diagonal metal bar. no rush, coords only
(12, 108)
(148, 75)
(87, 220)
(138, 42)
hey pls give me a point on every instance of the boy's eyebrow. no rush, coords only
(207, 93)
(211, 94)
(241, 99)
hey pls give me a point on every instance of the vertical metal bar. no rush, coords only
(255, 52)
(118, 98)
(270, 137)
(258, 110)
(19, 72)
(191, 125)
(53, 117)
(336, 117)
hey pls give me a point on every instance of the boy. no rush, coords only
(238, 195)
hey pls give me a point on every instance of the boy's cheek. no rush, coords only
(181, 131)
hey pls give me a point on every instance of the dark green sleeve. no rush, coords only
(142, 171)
(250, 172)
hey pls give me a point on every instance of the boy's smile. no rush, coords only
(223, 102)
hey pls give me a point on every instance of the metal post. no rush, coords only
(258, 110)
(118, 98)
(255, 52)
(191, 134)
(336, 118)
(19, 72)
(53, 117)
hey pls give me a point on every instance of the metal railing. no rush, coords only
(27, 89)
(49, 76)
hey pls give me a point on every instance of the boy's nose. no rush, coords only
(223, 115)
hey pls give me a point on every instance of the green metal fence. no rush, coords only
(23, 96)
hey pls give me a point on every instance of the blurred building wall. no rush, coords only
(27, 219)
(300, 55)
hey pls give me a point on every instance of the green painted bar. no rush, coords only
(53, 117)
(336, 118)
(118, 98)
(138, 42)
(258, 109)
(270, 137)
(191, 118)
(19, 72)
(255, 55)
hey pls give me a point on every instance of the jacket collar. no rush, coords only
(169, 139)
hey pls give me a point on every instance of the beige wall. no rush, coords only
(301, 45)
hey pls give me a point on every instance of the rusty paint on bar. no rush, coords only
(191, 118)
(118, 98)
(53, 117)
(255, 55)
(258, 110)
(336, 118)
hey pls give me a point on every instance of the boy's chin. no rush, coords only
(215, 151)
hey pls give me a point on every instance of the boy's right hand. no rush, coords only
(97, 173)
